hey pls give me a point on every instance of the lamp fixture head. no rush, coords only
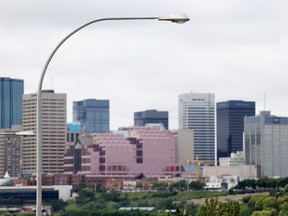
(179, 19)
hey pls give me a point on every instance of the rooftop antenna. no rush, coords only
(264, 101)
(51, 80)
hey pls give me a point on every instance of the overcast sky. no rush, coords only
(236, 49)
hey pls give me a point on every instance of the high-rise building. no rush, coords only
(92, 114)
(53, 132)
(10, 152)
(151, 116)
(266, 144)
(11, 91)
(230, 125)
(197, 112)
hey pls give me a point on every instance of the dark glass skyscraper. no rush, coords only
(230, 125)
(92, 114)
(11, 91)
(151, 116)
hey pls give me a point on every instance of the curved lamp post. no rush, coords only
(180, 19)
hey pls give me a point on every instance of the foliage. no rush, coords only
(230, 208)
(196, 185)
(160, 186)
(214, 208)
(283, 212)
(57, 205)
(164, 194)
(283, 206)
(5, 213)
(256, 200)
(86, 194)
(11, 201)
(270, 202)
(25, 214)
(263, 183)
(181, 185)
(246, 199)
(245, 210)
(262, 213)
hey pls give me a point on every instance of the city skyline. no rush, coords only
(236, 50)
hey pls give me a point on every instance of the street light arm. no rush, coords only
(179, 19)
(78, 29)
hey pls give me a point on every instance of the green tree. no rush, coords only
(262, 213)
(5, 214)
(230, 208)
(213, 208)
(283, 206)
(94, 206)
(256, 202)
(283, 212)
(246, 199)
(86, 194)
(196, 185)
(270, 202)
(286, 188)
(112, 196)
(178, 212)
(159, 186)
(57, 205)
(25, 214)
(210, 208)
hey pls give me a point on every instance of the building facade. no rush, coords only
(10, 152)
(151, 116)
(197, 112)
(74, 127)
(266, 144)
(235, 159)
(230, 125)
(53, 132)
(185, 145)
(11, 91)
(128, 152)
(93, 115)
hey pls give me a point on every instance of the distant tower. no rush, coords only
(92, 114)
(230, 125)
(196, 111)
(10, 152)
(53, 132)
(11, 91)
(266, 144)
(151, 116)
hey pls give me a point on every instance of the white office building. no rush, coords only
(197, 112)
(235, 159)
(53, 121)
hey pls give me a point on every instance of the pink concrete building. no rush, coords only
(132, 151)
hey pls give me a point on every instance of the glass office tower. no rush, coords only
(151, 116)
(11, 91)
(230, 125)
(266, 144)
(92, 114)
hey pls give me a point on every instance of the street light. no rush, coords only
(19, 133)
(179, 19)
